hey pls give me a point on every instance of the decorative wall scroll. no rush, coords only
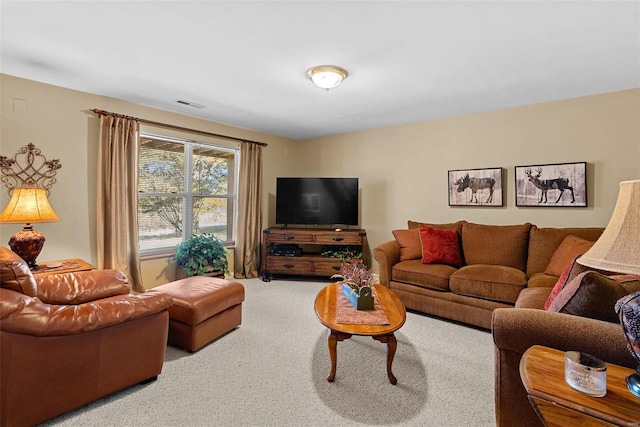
(28, 168)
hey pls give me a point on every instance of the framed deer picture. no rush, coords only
(553, 185)
(475, 187)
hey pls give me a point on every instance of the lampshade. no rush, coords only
(28, 205)
(618, 249)
(327, 76)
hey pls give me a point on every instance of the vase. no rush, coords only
(361, 299)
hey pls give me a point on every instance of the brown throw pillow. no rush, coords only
(440, 246)
(409, 241)
(569, 249)
(591, 294)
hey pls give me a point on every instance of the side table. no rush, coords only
(66, 266)
(557, 404)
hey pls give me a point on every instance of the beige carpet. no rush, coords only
(272, 372)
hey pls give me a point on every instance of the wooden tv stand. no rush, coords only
(311, 241)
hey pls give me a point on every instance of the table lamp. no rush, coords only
(618, 251)
(28, 205)
(618, 248)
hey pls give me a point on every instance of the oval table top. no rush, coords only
(325, 306)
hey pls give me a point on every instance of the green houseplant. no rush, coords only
(201, 254)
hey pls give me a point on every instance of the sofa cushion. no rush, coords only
(440, 246)
(496, 244)
(493, 282)
(15, 274)
(591, 294)
(563, 257)
(409, 241)
(543, 242)
(533, 297)
(541, 280)
(414, 272)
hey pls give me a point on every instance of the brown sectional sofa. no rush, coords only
(509, 300)
(499, 262)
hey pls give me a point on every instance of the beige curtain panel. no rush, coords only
(117, 216)
(249, 230)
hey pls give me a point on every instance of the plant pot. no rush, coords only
(361, 299)
(214, 273)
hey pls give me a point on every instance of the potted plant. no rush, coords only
(201, 254)
(357, 283)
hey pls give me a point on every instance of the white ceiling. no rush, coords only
(408, 61)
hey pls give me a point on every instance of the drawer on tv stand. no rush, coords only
(326, 268)
(289, 265)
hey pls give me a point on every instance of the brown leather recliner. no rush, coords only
(69, 339)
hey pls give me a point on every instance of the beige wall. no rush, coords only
(403, 169)
(58, 122)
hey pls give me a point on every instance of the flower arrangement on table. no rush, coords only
(357, 284)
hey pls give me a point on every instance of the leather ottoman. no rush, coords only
(204, 308)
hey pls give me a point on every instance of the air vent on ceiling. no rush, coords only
(189, 103)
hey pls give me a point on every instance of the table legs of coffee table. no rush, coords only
(392, 344)
(335, 336)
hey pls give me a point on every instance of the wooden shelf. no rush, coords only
(311, 241)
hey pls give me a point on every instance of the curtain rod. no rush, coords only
(166, 125)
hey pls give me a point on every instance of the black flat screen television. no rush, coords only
(317, 201)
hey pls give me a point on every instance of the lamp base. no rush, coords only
(633, 383)
(27, 243)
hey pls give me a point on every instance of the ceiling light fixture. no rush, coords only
(327, 76)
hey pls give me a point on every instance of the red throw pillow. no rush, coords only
(440, 246)
(559, 285)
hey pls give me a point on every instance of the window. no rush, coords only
(184, 187)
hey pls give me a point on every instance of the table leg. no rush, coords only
(332, 341)
(392, 344)
(333, 347)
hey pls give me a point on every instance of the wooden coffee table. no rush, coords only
(325, 307)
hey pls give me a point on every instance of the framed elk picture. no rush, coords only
(475, 187)
(557, 185)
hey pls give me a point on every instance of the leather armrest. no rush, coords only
(387, 254)
(517, 329)
(81, 287)
(25, 315)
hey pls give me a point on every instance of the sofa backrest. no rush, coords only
(15, 273)
(543, 242)
(449, 226)
(496, 244)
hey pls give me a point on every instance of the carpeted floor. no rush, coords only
(272, 371)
